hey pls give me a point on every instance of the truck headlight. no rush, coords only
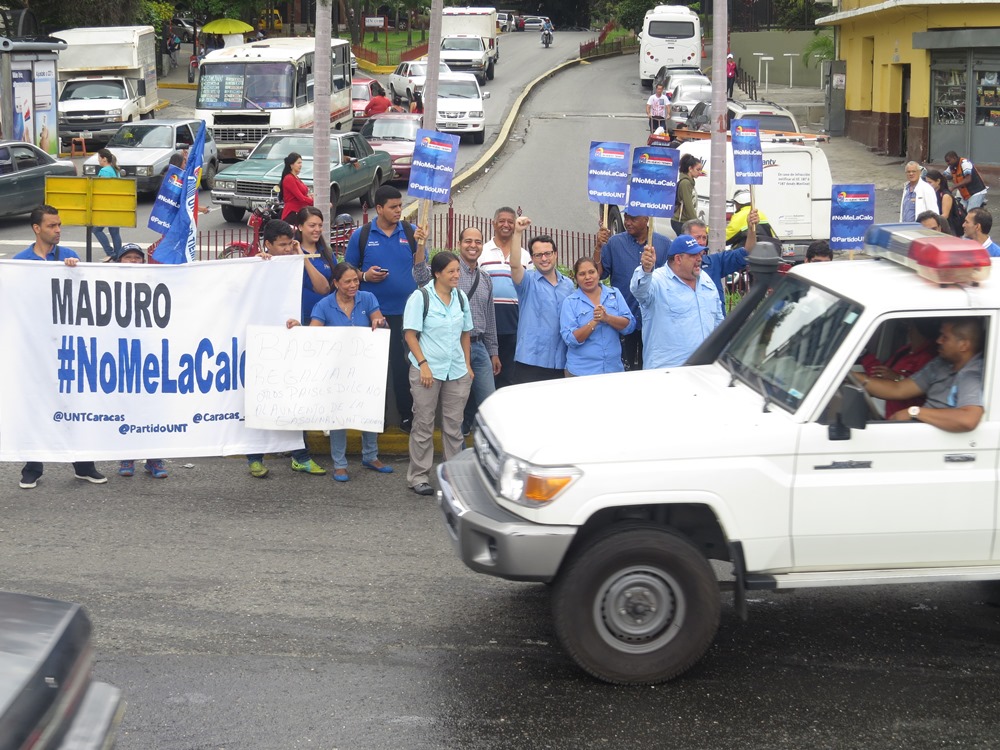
(478, 64)
(475, 113)
(533, 486)
(115, 112)
(143, 171)
(89, 169)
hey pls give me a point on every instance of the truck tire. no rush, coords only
(479, 136)
(636, 605)
(489, 71)
(208, 175)
(233, 213)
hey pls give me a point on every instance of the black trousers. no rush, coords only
(80, 467)
(632, 350)
(534, 374)
(506, 346)
(399, 367)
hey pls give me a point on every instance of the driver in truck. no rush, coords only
(952, 383)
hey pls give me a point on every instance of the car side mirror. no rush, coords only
(486, 94)
(853, 414)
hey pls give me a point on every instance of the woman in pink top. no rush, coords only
(293, 191)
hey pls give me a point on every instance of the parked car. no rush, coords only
(23, 169)
(683, 99)
(769, 116)
(670, 77)
(363, 89)
(183, 27)
(356, 171)
(48, 698)
(395, 133)
(143, 150)
(408, 79)
(460, 106)
(535, 23)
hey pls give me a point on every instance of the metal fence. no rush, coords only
(395, 56)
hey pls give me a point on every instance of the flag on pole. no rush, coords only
(179, 244)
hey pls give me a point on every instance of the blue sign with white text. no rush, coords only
(653, 184)
(852, 211)
(168, 200)
(607, 172)
(433, 168)
(748, 157)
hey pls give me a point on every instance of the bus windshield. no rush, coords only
(671, 29)
(251, 85)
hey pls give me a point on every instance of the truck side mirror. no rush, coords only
(853, 413)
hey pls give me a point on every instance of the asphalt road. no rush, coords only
(296, 612)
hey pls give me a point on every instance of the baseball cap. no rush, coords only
(729, 55)
(130, 247)
(684, 243)
(742, 197)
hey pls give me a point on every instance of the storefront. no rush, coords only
(965, 93)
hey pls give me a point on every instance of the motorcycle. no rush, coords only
(259, 216)
(546, 38)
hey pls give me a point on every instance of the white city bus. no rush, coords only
(248, 91)
(671, 35)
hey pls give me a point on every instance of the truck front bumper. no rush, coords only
(97, 131)
(490, 539)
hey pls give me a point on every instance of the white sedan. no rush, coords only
(408, 79)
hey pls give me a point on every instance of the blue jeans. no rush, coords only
(338, 447)
(110, 248)
(483, 384)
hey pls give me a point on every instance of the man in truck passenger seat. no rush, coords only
(952, 383)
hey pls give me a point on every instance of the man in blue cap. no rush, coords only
(680, 305)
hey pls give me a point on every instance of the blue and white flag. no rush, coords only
(180, 243)
(433, 167)
(168, 200)
(748, 157)
(607, 172)
(852, 211)
(652, 188)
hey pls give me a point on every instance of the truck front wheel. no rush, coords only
(636, 605)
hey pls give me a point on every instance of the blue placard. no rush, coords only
(168, 200)
(748, 157)
(852, 211)
(607, 172)
(433, 169)
(653, 184)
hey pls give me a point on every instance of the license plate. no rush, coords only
(257, 204)
(242, 153)
(86, 134)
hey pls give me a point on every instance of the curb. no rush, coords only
(392, 442)
(370, 67)
(178, 85)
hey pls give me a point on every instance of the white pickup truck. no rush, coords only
(763, 454)
(470, 42)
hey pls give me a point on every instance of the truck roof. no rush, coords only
(469, 11)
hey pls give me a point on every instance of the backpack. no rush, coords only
(427, 300)
(366, 231)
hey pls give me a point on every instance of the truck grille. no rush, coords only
(239, 135)
(254, 189)
(487, 453)
(84, 118)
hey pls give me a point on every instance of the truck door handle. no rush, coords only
(959, 458)
(846, 465)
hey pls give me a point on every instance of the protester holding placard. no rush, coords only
(592, 321)
(47, 226)
(318, 271)
(279, 239)
(617, 258)
(348, 306)
(687, 194)
(292, 191)
(437, 323)
(541, 352)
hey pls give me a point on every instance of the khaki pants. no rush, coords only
(452, 395)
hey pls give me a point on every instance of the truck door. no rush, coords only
(897, 494)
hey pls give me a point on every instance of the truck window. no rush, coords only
(790, 339)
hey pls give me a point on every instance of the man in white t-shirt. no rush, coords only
(658, 109)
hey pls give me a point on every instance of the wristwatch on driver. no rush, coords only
(914, 412)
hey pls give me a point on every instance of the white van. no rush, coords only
(795, 196)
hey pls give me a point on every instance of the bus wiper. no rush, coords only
(251, 101)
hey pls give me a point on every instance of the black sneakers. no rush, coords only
(423, 489)
(93, 476)
(29, 479)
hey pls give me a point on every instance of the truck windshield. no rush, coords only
(790, 339)
(253, 85)
(83, 90)
(467, 45)
(458, 90)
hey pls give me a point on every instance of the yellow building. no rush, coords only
(922, 76)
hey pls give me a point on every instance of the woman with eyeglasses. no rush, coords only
(592, 321)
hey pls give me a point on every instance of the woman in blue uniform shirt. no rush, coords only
(592, 321)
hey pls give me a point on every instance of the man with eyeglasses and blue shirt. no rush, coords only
(541, 352)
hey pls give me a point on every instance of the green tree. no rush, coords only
(819, 48)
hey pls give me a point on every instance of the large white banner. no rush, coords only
(312, 378)
(106, 361)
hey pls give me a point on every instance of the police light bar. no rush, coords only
(939, 258)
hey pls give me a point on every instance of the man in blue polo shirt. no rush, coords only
(617, 257)
(47, 226)
(389, 265)
(541, 352)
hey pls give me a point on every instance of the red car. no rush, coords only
(395, 133)
(363, 89)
